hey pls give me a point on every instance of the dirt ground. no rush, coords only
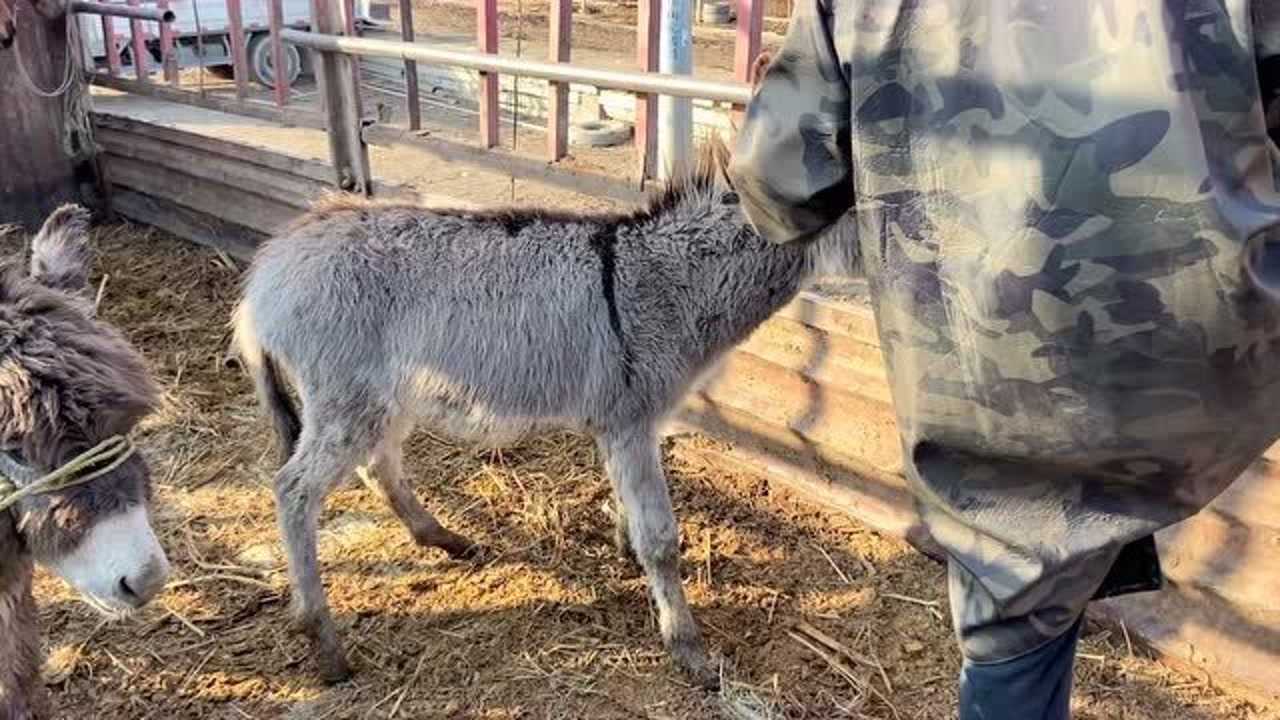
(814, 616)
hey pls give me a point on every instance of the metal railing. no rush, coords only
(656, 83)
(133, 12)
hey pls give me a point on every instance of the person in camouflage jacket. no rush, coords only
(1068, 214)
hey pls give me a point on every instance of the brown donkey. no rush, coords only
(67, 383)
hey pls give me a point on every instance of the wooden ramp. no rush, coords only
(804, 401)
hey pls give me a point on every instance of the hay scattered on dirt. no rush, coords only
(815, 616)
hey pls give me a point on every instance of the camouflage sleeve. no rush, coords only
(791, 164)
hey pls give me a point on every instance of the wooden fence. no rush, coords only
(338, 18)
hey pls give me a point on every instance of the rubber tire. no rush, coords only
(260, 61)
(599, 133)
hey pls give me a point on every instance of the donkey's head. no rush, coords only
(68, 382)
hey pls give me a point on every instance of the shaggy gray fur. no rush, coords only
(487, 326)
(67, 382)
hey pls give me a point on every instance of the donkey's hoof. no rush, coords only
(692, 660)
(335, 670)
(467, 551)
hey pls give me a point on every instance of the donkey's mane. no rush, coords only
(711, 163)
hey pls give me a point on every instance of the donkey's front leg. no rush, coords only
(634, 464)
(300, 488)
(22, 694)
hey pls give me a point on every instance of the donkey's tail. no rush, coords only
(273, 398)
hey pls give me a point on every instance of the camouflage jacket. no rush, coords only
(1062, 210)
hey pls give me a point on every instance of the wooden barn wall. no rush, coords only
(804, 401)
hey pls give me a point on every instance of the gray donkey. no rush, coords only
(67, 382)
(487, 326)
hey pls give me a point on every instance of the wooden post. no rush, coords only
(139, 46)
(276, 20)
(647, 28)
(558, 51)
(487, 39)
(747, 46)
(168, 58)
(341, 98)
(36, 173)
(109, 46)
(410, 67)
(239, 51)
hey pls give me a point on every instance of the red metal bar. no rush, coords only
(647, 29)
(487, 39)
(110, 47)
(139, 47)
(747, 45)
(279, 72)
(561, 13)
(168, 58)
(239, 51)
(410, 67)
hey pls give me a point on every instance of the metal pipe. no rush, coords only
(679, 86)
(675, 114)
(154, 14)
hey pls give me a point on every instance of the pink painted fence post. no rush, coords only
(168, 58)
(110, 47)
(139, 46)
(280, 72)
(410, 67)
(747, 45)
(647, 28)
(239, 52)
(561, 12)
(487, 39)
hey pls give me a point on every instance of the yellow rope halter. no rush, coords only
(113, 451)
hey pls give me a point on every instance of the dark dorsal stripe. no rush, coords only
(605, 243)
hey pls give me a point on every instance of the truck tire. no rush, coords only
(260, 66)
(599, 133)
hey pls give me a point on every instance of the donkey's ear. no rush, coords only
(60, 253)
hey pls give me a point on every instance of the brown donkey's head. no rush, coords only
(68, 382)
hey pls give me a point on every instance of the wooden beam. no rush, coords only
(238, 241)
(503, 161)
(139, 46)
(341, 97)
(314, 170)
(558, 107)
(276, 21)
(168, 58)
(410, 68)
(647, 29)
(747, 45)
(239, 51)
(487, 40)
(109, 46)
(292, 116)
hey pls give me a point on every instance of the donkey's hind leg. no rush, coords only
(633, 461)
(385, 477)
(328, 450)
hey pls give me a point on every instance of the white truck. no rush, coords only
(204, 24)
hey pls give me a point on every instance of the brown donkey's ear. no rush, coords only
(60, 253)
